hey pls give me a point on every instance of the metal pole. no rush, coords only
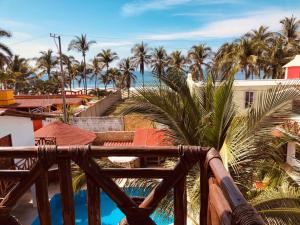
(62, 78)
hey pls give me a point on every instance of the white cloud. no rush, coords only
(13, 24)
(227, 28)
(110, 44)
(138, 7)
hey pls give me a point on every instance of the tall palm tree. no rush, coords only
(275, 57)
(19, 71)
(107, 56)
(81, 44)
(177, 61)
(198, 55)
(127, 69)
(159, 62)
(69, 62)
(114, 75)
(290, 29)
(5, 52)
(246, 58)
(261, 39)
(46, 62)
(141, 57)
(97, 66)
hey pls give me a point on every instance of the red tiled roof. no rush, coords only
(150, 137)
(43, 102)
(117, 143)
(66, 134)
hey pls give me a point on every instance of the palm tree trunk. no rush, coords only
(84, 74)
(95, 81)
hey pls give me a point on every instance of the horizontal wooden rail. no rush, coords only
(101, 151)
(13, 174)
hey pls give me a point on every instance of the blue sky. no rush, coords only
(118, 24)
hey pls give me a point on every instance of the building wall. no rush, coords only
(240, 87)
(293, 72)
(20, 128)
(100, 107)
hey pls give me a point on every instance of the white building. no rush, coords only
(18, 126)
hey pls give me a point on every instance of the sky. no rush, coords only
(119, 24)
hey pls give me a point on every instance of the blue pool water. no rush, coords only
(110, 213)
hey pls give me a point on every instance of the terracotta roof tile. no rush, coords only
(66, 134)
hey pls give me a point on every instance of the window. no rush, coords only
(248, 99)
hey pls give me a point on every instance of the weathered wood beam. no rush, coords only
(64, 167)
(93, 199)
(42, 198)
(13, 174)
(180, 203)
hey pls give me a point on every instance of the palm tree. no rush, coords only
(107, 56)
(141, 57)
(46, 62)
(177, 61)
(5, 52)
(159, 62)
(19, 71)
(114, 75)
(290, 29)
(198, 55)
(275, 57)
(242, 138)
(127, 69)
(97, 66)
(81, 44)
(69, 62)
(261, 39)
(246, 58)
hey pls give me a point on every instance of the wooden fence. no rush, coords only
(220, 200)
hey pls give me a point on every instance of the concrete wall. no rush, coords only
(99, 124)
(20, 128)
(101, 106)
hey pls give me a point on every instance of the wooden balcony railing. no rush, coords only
(220, 201)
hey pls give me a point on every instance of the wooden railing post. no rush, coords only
(180, 203)
(66, 189)
(203, 193)
(42, 198)
(93, 200)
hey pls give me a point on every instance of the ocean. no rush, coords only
(150, 80)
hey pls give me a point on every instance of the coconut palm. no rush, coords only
(81, 44)
(141, 57)
(261, 39)
(114, 75)
(274, 58)
(290, 29)
(19, 71)
(159, 62)
(177, 61)
(5, 52)
(46, 63)
(241, 138)
(198, 55)
(107, 56)
(69, 62)
(127, 69)
(97, 66)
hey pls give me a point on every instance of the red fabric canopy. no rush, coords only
(65, 134)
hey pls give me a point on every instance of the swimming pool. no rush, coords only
(110, 213)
